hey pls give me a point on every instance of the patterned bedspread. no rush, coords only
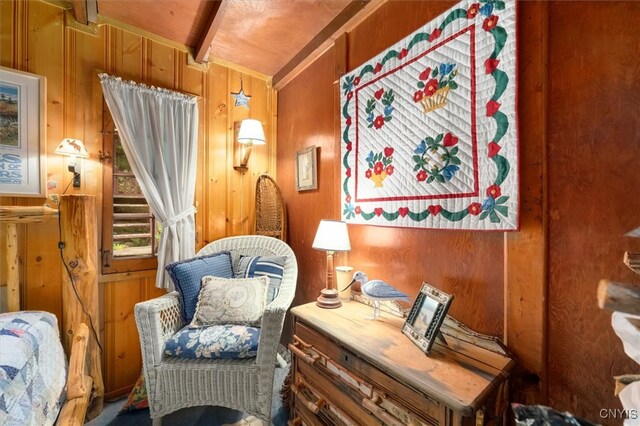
(33, 368)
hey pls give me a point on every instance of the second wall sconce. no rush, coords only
(249, 132)
(74, 149)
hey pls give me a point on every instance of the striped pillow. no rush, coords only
(255, 266)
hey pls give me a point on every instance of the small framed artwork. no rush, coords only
(306, 169)
(426, 316)
(22, 146)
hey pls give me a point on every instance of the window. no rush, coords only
(130, 232)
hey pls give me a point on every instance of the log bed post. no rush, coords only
(79, 235)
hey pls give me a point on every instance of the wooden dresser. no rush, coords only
(352, 371)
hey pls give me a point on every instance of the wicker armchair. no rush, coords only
(243, 384)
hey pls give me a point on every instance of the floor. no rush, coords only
(197, 416)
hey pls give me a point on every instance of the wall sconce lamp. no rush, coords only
(332, 236)
(249, 133)
(73, 148)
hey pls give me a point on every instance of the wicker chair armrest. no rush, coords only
(271, 329)
(157, 319)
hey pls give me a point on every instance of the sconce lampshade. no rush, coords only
(72, 147)
(332, 235)
(251, 132)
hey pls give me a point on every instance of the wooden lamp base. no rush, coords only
(328, 299)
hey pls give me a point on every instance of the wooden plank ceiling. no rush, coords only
(262, 35)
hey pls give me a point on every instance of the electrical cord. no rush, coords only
(61, 246)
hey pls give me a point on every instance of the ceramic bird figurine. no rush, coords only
(377, 291)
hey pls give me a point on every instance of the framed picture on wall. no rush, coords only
(22, 136)
(306, 169)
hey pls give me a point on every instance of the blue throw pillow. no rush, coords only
(187, 275)
(256, 266)
(214, 342)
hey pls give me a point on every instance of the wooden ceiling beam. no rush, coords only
(213, 23)
(85, 11)
(355, 12)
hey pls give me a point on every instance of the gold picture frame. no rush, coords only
(307, 169)
(22, 134)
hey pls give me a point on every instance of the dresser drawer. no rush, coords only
(374, 395)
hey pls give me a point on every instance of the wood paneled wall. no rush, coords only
(43, 38)
(579, 155)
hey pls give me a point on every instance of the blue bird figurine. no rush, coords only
(377, 291)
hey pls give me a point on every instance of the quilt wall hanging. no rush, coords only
(429, 132)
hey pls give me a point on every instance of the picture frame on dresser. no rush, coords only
(426, 317)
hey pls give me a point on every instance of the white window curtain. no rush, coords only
(158, 129)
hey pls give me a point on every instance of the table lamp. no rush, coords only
(332, 236)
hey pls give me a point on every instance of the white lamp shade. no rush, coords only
(72, 147)
(251, 132)
(332, 235)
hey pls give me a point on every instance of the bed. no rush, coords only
(34, 389)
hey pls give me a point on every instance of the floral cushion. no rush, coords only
(137, 398)
(215, 342)
(187, 275)
(231, 301)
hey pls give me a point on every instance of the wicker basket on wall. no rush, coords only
(271, 215)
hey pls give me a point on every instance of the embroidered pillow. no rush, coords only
(256, 266)
(231, 301)
(214, 342)
(187, 277)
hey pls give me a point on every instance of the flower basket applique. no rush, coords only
(436, 159)
(385, 98)
(434, 86)
(380, 166)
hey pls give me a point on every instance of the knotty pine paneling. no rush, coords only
(34, 38)
(594, 158)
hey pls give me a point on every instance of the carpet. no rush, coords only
(197, 416)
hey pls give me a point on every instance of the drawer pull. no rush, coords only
(309, 359)
(313, 407)
(299, 341)
(379, 412)
(297, 421)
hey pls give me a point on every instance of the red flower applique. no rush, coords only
(378, 168)
(403, 211)
(378, 94)
(367, 174)
(490, 65)
(421, 176)
(349, 146)
(473, 10)
(348, 173)
(494, 191)
(475, 209)
(417, 97)
(356, 81)
(378, 68)
(349, 95)
(389, 170)
(403, 53)
(449, 140)
(388, 151)
(348, 122)
(431, 87)
(378, 122)
(490, 23)
(435, 34)
(377, 211)
(358, 210)
(348, 199)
